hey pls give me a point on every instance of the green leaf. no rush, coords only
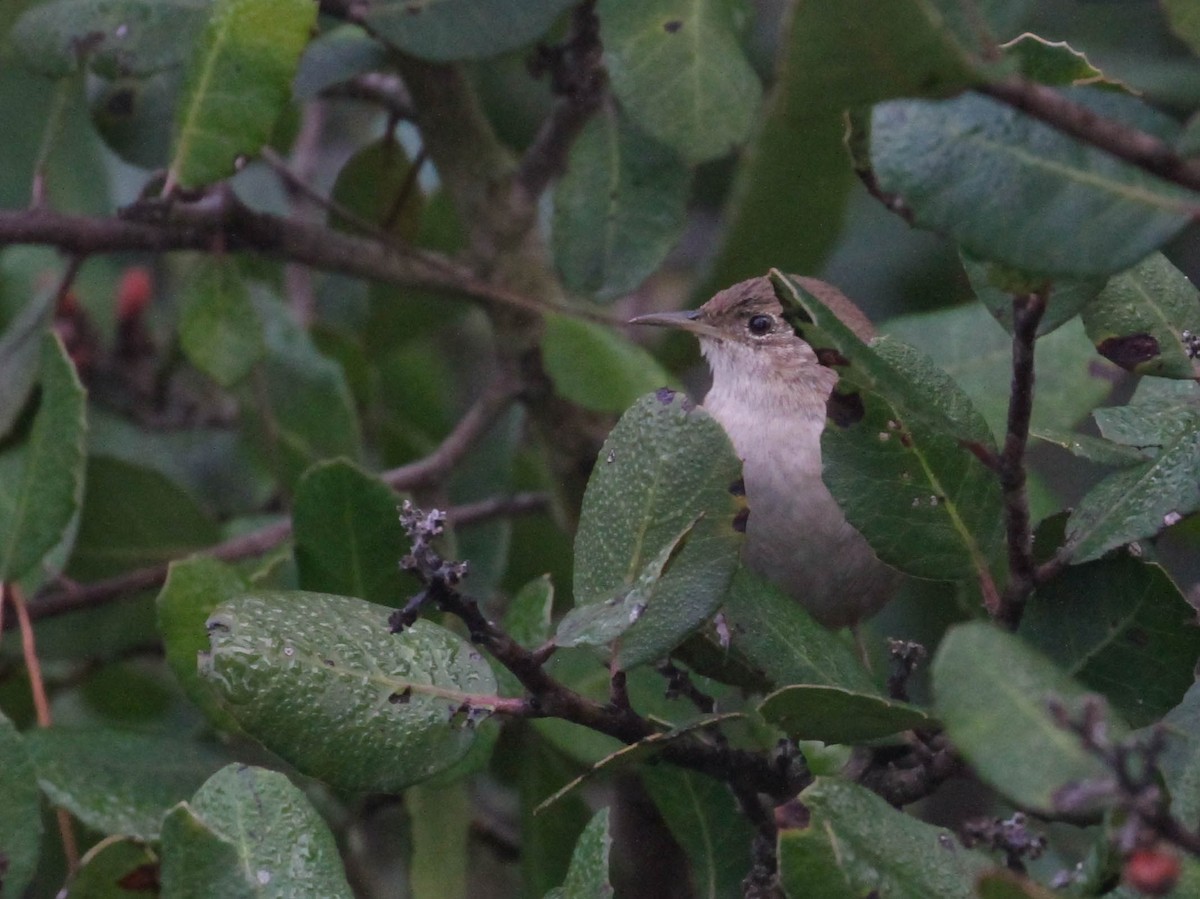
(1001, 884)
(118, 782)
(1094, 449)
(194, 588)
(238, 83)
(837, 715)
(587, 877)
(21, 349)
(1154, 417)
(444, 30)
(548, 837)
(1184, 19)
(777, 635)
(133, 517)
(856, 844)
(249, 832)
(596, 367)
(968, 346)
(619, 209)
(336, 55)
(1139, 501)
(115, 869)
(995, 285)
(112, 37)
(1121, 627)
(703, 816)
(41, 479)
(960, 164)
(20, 811)
(899, 421)
(378, 185)
(133, 116)
(527, 618)
(219, 330)
(302, 410)
(679, 71)
(1139, 320)
(1180, 763)
(1052, 62)
(347, 533)
(666, 463)
(441, 825)
(991, 692)
(600, 623)
(320, 681)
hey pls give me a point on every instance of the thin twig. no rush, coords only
(41, 705)
(1137, 147)
(1027, 314)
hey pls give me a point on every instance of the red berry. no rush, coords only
(134, 292)
(1153, 872)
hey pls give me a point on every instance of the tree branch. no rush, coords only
(1052, 107)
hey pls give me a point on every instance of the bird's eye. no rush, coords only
(759, 325)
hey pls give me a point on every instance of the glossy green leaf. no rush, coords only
(118, 782)
(619, 209)
(596, 367)
(115, 869)
(664, 464)
(1159, 409)
(991, 692)
(1122, 628)
(896, 419)
(133, 517)
(320, 681)
(600, 623)
(703, 816)
(1139, 320)
(20, 810)
(378, 185)
(444, 30)
(194, 588)
(249, 832)
(778, 636)
(856, 844)
(527, 618)
(219, 329)
(1180, 762)
(679, 71)
(966, 166)
(968, 346)
(587, 878)
(1184, 19)
(1094, 449)
(995, 285)
(1139, 501)
(347, 533)
(112, 37)
(41, 478)
(238, 83)
(837, 715)
(301, 411)
(21, 348)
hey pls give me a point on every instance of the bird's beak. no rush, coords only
(688, 320)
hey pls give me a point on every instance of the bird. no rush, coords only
(769, 393)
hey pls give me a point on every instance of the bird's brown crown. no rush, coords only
(758, 294)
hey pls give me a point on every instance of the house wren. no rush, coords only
(769, 393)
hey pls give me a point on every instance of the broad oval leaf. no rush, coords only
(587, 877)
(444, 30)
(837, 715)
(347, 535)
(379, 185)
(995, 285)
(856, 844)
(319, 680)
(219, 329)
(112, 37)
(619, 209)
(1122, 627)
(991, 692)
(118, 782)
(895, 449)
(665, 464)
(249, 831)
(20, 810)
(966, 166)
(1141, 319)
(680, 73)
(238, 83)
(596, 367)
(41, 478)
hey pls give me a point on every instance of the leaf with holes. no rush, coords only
(321, 681)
